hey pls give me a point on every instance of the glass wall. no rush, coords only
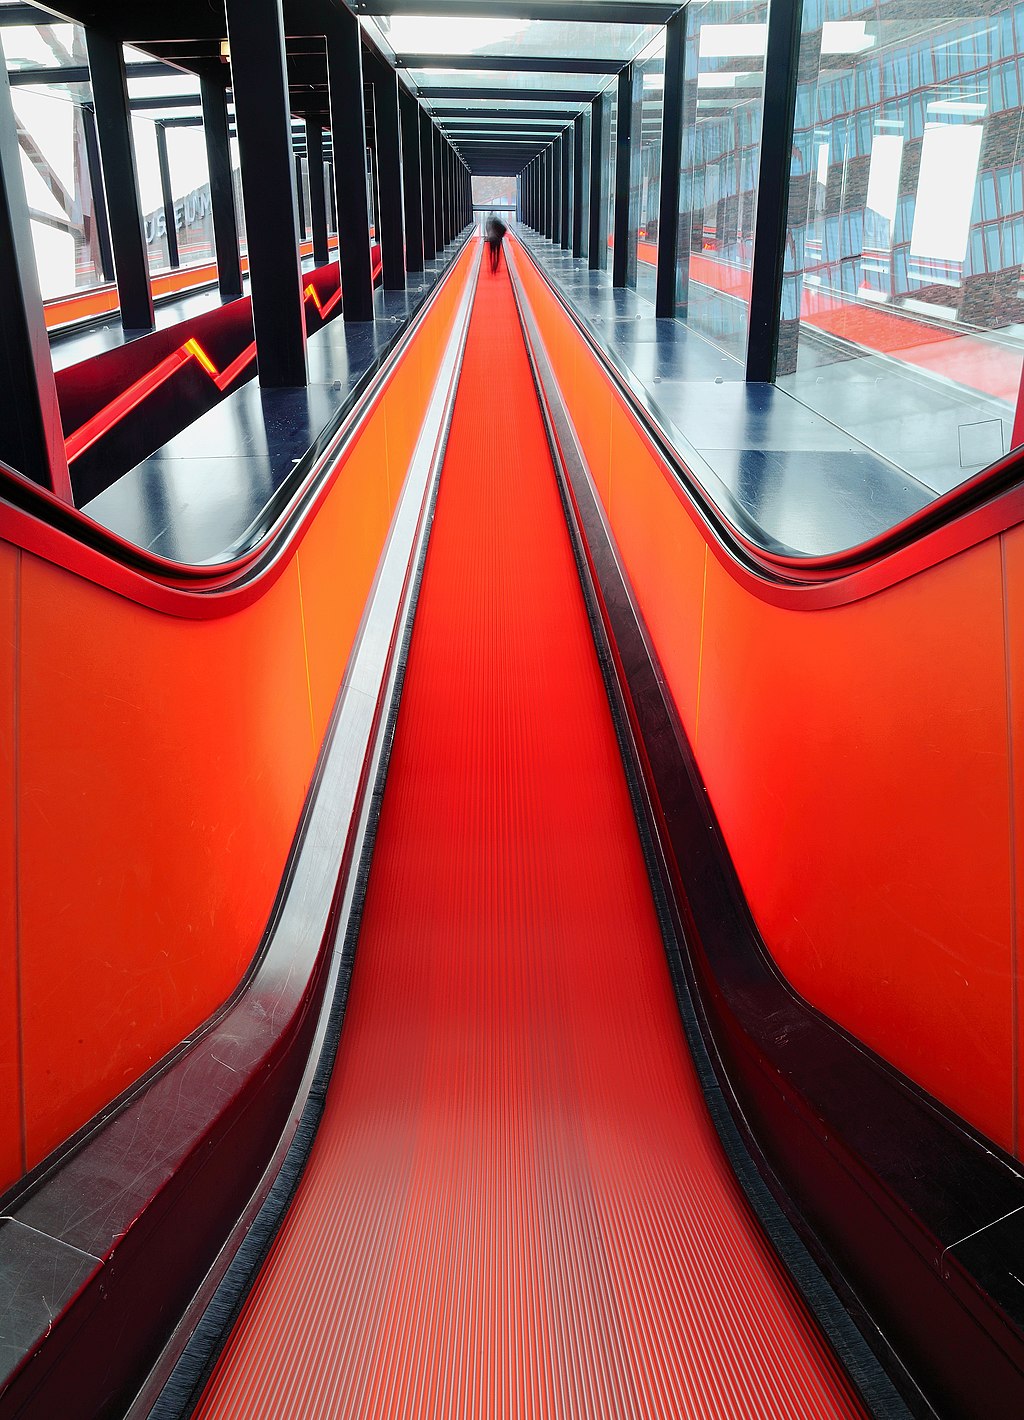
(903, 309)
(53, 122)
(722, 109)
(587, 120)
(645, 185)
(190, 188)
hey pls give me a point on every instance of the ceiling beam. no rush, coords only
(547, 115)
(431, 92)
(79, 74)
(510, 63)
(602, 12)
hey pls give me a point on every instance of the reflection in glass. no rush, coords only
(608, 130)
(903, 318)
(722, 102)
(645, 187)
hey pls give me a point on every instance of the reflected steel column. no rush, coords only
(671, 159)
(31, 436)
(259, 83)
(214, 99)
(348, 141)
(120, 179)
(565, 233)
(623, 154)
(389, 174)
(578, 198)
(439, 195)
(411, 178)
(300, 200)
(427, 185)
(597, 181)
(781, 64)
(101, 223)
(167, 195)
(317, 195)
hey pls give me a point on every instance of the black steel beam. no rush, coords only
(260, 89)
(509, 63)
(671, 157)
(427, 185)
(578, 195)
(167, 196)
(430, 93)
(597, 247)
(623, 128)
(348, 135)
(781, 66)
(80, 73)
(601, 12)
(492, 111)
(388, 147)
(214, 99)
(31, 437)
(411, 178)
(317, 196)
(120, 179)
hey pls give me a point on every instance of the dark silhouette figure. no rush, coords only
(495, 231)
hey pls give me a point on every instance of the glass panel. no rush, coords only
(722, 102)
(190, 184)
(150, 197)
(43, 46)
(65, 237)
(645, 188)
(236, 179)
(903, 308)
(431, 34)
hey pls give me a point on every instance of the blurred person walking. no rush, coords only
(494, 231)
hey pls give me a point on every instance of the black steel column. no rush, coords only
(348, 141)
(556, 189)
(300, 200)
(578, 197)
(427, 186)
(439, 195)
(565, 180)
(781, 65)
(671, 158)
(317, 195)
(214, 99)
(413, 196)
(167, 195)
(388, 137)
(100, 223)
(120, 179)
(31, 437)
(623, 153)
(259, 83)
(597, 248)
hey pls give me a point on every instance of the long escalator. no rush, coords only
(516, 1203)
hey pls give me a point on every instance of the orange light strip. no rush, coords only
(104, 419)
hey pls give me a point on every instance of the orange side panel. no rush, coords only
(653, 533)
(857, 761)
(163, 768)
(1013, 572)
(11, 1157)
(337, 561)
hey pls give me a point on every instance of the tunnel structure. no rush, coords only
(512, 578)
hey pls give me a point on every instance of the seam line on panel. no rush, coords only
(40, 1233)
(700, 645)
(1014, 986)
(16, 767)
(305, 656)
